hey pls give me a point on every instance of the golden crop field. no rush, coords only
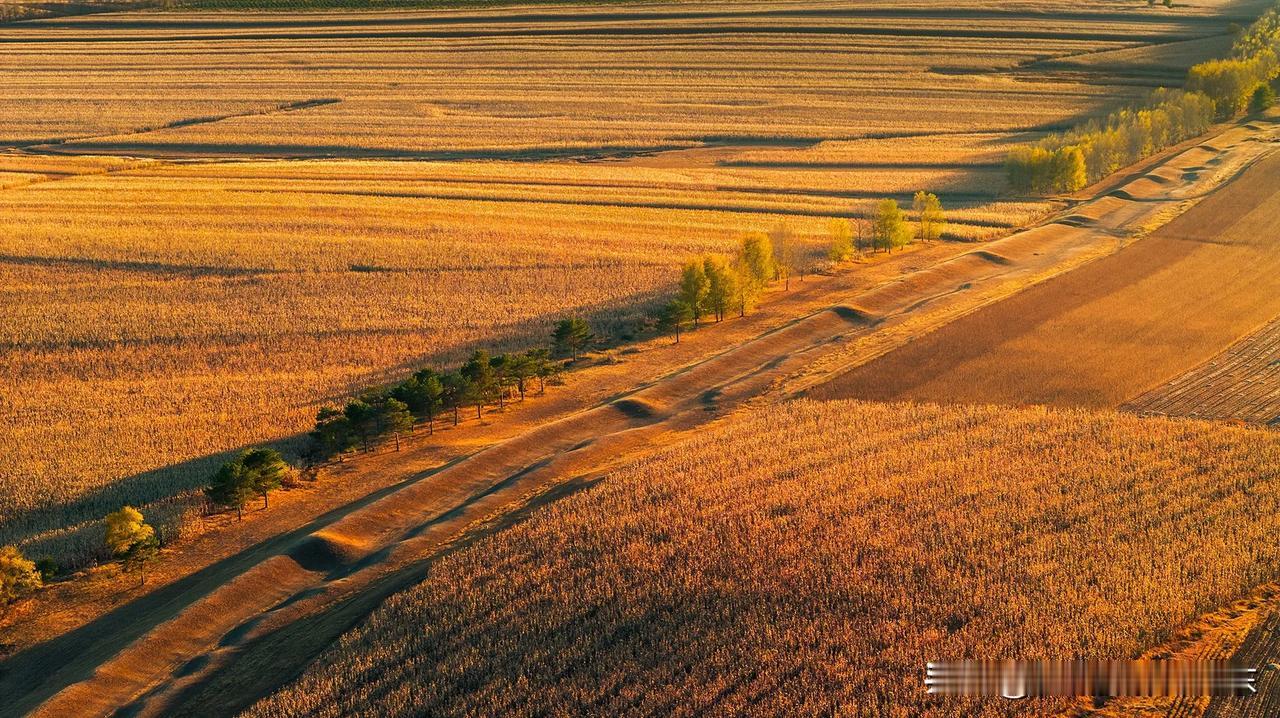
(808, 558)
(212, 223)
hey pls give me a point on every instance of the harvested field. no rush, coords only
(1241, 383)
(1113, 329)
(1261, 648)
(808, 558)
(325, 200)
(583, 81)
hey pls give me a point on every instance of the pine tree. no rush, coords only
(397, 418)
(266, 470)
(231, 486)
(333, 433)
(571, 337)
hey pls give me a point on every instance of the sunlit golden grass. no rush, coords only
(809, 558)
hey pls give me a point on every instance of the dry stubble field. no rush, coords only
(327, 199)
(1165, 305)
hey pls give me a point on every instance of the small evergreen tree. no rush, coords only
(1262, 99)
(522, 368)
(364, 420)
(456, 390)
(231, 486)
(571, 337)
(543, 367)
(266, 470)
(433, 391)
(333, 433)
(397, 418)
(481, 384)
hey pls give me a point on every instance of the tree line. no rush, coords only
(393, 412)
(1214, 90)
(714, 286)
(1243, 82)
(1072, 160)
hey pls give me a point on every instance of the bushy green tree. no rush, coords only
(721, 285)
(267, 470)
(132, 540)
(841, 232)
(333, 433)
(522, 368)
(543, 367)
(929, 215)
(397, 419)
(481, 385)
(363, 417)
(457, 389)
(231, 486)
(674, 316)
(503, 377)
(423, 393)
(890, 230)
(1263, 98)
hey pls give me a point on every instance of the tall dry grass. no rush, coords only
(809, 558)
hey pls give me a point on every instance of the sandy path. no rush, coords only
(233, 623)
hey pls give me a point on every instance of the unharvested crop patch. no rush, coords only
(808, 558)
